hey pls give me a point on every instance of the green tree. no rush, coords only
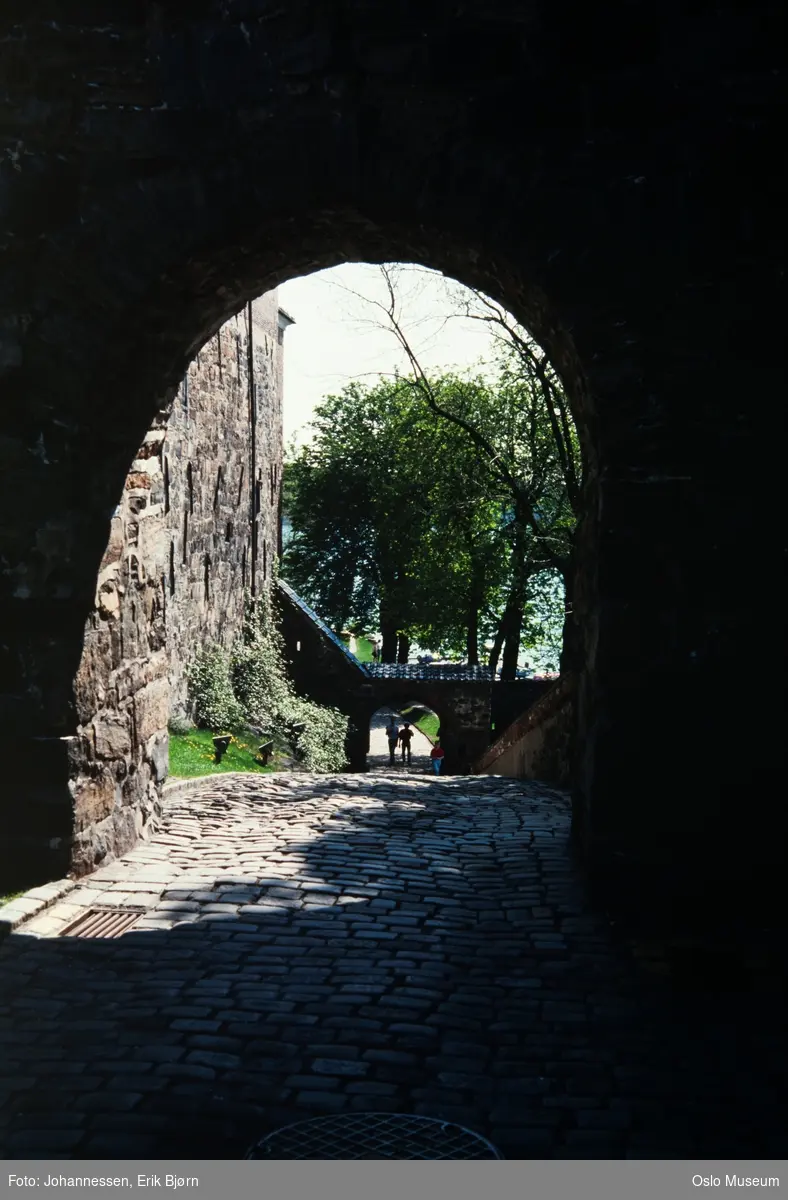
(447, 504)
(528, 442)
(393, 521)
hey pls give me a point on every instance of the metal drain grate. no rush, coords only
(373, 1135)
(102, 923)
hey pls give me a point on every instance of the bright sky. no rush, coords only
(340, 336)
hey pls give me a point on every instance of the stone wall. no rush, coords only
(540, 744)
(511, 698)
(197, 524)
(222, 486)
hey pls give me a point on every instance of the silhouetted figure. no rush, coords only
(406, 737)
(392, 734)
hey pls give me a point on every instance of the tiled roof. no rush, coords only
(429, 673)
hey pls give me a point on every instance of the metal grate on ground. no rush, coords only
(373, 1135)
(102, 923)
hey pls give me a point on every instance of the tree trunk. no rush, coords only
(511, 648)
(388, 631)
(497, 646)
(475, 601)
(472, 637)
(403, 647)
(509, 630)
(571, 647)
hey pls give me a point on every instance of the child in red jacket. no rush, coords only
(437, 755)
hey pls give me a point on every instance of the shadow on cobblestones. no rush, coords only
(326, 946)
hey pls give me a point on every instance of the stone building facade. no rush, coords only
(197, 525)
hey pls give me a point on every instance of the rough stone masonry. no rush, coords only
(196, 527)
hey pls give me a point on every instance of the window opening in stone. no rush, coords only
(172, 568)
(207, 577)
(265, 559)
(185, 539)
(190, 486)
(166, 473)
(243, 568)
(217, 489)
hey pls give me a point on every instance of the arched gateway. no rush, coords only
(610, 181)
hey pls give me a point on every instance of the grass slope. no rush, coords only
(193, 754)
(363, 649)
(428, 723)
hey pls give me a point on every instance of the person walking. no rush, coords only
(406, 737)
(437, 756)
(392, 734)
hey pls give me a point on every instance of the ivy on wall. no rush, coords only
(249, 685)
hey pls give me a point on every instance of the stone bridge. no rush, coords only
(466, 699)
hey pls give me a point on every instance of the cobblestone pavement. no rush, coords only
(317, 945)
(378, 757)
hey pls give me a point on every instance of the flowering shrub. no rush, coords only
(211, 689)
(268, 698)
(250, 686)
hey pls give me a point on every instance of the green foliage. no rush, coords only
(398, 517)
(543, 619)
(392, 521)
(250, 686)
(211, 690)
(268, 698)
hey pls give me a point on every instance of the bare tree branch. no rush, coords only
(523, 500)
(554, 399)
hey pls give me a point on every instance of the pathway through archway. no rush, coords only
(378, 757)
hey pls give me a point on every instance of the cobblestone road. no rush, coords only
(321, 945)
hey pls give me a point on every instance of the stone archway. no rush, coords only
(171, 168)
